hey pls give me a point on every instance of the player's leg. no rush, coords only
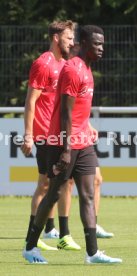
(41, 190)
(41, 156)
(87, 213)
(84, 171)
(66, 241)
(43, 211)
(100, 232)
(85, 188)
(31, 253)
(64, 204)
(50, 232)
(97, 188)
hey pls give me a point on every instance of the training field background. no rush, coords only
(116, 214)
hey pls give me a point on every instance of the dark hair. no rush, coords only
(85, 32)
(57, 27)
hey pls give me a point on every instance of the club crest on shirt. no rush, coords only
(54, 84)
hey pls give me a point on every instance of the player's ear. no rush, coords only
(56, 37)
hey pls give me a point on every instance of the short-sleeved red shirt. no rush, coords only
(44, 75)
(76, 80)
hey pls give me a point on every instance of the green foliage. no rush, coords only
(20, 45)
(41, 12)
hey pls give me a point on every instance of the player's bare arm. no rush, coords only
(67, 103)
(32, 96)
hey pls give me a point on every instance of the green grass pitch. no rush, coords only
(118, 215)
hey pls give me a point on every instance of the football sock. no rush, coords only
(63, 226)
(33, 237)
(91, 241)
(49, 225)
(30, 225)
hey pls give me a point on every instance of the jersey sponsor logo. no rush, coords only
(86, 90)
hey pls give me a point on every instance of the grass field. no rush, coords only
(118, 215)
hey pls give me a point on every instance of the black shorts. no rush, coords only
(83, 162)
(41, 156)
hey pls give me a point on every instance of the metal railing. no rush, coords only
(96, 110)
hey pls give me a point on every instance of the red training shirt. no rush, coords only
(44, 75)
(76, 80)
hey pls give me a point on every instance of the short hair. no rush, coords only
(85, 32)
(57, 27)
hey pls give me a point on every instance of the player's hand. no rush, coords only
(26, 147)
(94, 133)
(63, 162)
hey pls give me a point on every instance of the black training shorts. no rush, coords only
(41, 156)
(83, 161)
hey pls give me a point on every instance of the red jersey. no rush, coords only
(76, 80)
(44, 75)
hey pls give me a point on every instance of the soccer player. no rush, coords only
(100, 232)
(42, 86)
(70, 152)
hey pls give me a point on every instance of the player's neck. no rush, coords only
(56, 52)
(83, 56)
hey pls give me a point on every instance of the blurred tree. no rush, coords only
(18, 46)
(40, 12)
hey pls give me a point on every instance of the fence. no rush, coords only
(115, 75)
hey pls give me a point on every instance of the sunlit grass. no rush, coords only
(117, 215)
